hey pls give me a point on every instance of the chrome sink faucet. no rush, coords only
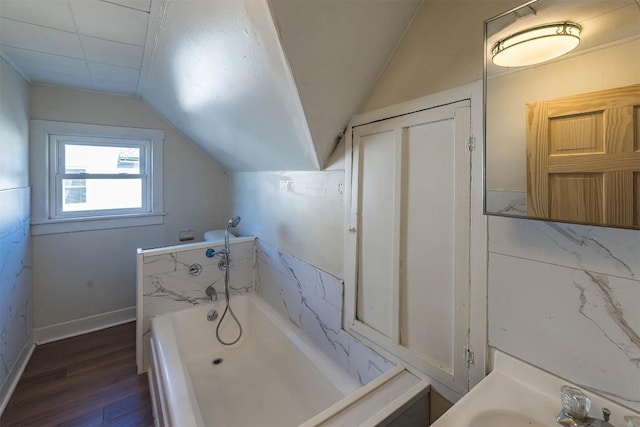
(575, 410)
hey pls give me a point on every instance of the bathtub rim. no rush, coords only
(176, 387)
(190, 246)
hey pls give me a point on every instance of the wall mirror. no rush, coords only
(563, 135)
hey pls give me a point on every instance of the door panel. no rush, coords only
(427, 306)
(582, 154)
(377, 193)
(577, 196)
(576, 134)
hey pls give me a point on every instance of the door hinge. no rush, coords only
(471, 143)
(468, 356)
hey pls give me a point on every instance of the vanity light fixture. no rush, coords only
(536, 45)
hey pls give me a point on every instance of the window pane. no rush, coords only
(75, 189)
(101, 194)
(101, 159)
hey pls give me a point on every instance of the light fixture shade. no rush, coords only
(536, 45)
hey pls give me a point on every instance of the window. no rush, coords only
(98, 177)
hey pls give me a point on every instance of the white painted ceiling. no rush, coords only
(257, 84)
(87, 44)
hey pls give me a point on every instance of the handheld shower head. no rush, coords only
(233, 222)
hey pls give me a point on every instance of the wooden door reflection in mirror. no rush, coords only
(583, 158)
(586, 171)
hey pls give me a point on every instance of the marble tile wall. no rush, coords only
(567, 298)
(506, 202)
(167, 285)
(312, 300)
(15, 277)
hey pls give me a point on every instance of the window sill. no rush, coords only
(43, 227)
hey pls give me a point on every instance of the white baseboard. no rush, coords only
(6, 390)
(76, 327)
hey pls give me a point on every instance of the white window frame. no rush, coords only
(57, 173)
(47, 140)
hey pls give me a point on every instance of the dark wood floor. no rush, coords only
(86, 381)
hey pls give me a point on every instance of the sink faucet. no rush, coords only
(575, 410)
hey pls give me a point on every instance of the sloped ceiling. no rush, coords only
(257, 84)
(336, 50)
(219, 75)
(269, 86)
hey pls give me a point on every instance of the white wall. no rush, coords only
(299, 213)
(442, 49)
(15, 241)
(87, 273)
(303, 216)
(14, 128)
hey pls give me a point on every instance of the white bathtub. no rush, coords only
(273, 376)
(272, 369)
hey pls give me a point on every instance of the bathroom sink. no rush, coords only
(517, 394)
(500, 418)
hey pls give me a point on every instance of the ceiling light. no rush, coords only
(536, 45)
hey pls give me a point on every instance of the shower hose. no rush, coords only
(227, 307)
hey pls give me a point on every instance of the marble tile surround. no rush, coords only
(167, 285)
(506, 202)
(312, 300)
(567, 298)
(15, 277)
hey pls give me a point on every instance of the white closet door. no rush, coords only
(411, 194)
(379, 224)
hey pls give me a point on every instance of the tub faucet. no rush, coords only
(575, 410)
(211, 293)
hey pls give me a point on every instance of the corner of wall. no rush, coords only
(15, 236)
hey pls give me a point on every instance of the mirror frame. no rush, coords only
(486, 60)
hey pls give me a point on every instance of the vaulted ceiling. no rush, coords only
(257, 84)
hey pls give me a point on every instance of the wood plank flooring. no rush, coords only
(89, 380)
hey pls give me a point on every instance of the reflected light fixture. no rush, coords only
(536, 45)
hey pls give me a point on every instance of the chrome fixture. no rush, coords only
(575, 410)
(195, 269)
(232, 223)
(212, 315)
(211, 293)
(224, 264)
